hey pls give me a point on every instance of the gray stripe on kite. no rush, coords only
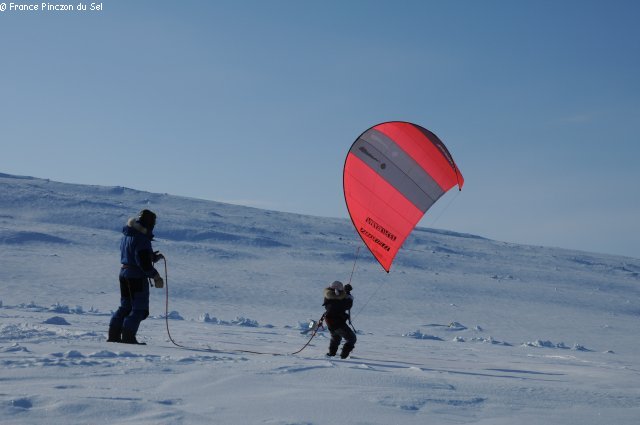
(394, 165)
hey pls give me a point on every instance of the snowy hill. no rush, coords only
(463, 330)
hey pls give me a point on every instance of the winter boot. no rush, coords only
(114, 334)
(129, 337)
(346, 350)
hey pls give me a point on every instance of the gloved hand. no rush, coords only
(158, 282)
(157, 256)
(348, 288)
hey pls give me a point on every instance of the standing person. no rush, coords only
(137, 258)
(337, 303)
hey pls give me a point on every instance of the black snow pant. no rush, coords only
(336, 337)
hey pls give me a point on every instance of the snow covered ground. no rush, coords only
(463, 329)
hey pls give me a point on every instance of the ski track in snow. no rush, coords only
(464, 329)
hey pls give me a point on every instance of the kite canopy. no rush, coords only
(393, 173)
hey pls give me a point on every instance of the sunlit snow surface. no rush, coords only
(463, 329)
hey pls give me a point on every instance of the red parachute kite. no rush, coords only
(393, 173)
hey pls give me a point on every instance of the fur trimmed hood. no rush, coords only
(330, 294)
(135, 224)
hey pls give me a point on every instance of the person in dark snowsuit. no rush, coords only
(337, 303)
(136, 258)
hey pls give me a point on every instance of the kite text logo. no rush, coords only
(380, 229)
(374, 239)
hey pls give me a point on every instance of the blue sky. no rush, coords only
(258, 102)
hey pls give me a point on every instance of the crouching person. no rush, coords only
(337, 303)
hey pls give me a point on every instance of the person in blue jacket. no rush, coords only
(136, 258)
